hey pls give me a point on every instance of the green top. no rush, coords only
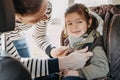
(98, 66)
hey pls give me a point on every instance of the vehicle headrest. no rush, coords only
(12, 69)
(7, 16)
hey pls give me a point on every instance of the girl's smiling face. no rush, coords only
(76, 25)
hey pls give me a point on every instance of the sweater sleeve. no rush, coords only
(39, 32)
(98, 67)
(36, 66)
(40, 67)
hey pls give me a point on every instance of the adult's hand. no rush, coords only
(75, 60)
(59, 52)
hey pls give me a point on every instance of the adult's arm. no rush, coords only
(36, 66)
(39, 32)
(42, 67)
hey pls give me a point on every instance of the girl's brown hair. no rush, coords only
(83, 11)
(80, 9)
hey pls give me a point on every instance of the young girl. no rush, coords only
(81, 28)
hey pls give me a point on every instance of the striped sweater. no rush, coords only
(38, 29)
(37, 67)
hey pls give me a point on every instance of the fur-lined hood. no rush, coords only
(100, 22)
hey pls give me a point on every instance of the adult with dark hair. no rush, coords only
(35, 14)
(30, 13)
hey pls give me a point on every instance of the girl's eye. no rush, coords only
(69, 24)
(79, 21)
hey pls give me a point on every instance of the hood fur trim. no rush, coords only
(100, 22)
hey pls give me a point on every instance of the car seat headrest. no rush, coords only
(7, 16)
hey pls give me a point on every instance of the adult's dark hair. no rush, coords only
(27, 6)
